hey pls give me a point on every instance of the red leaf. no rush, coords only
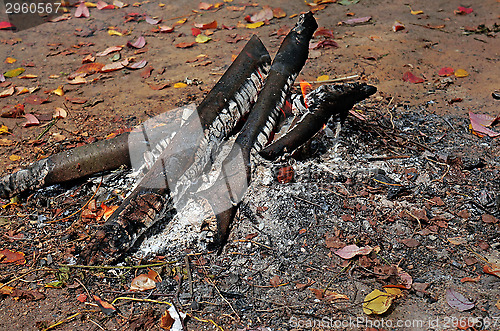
(81, 297)
(463, 10)
(357, 20)
(185, 45)
(324, 32)
(398, 26)
(34, 99)
(82, 10)
(6, 26)
(323, 44)
(31, 120)
(350, 251)
(139, 43)
(158, 86)
(211, 25)
(195, 31)
(446, 71)
(147, 72)
(492, 269)
(8, 256)
(102, 5)
(105, 307)
(409, 77)
(13, 111)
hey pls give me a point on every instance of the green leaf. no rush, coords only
(14, 72)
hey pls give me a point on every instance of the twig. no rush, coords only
(100, 327)
(339, 79)
(67, 319)
(51, 124)
(190, 276)
(85, 205)
(223, 298)
(336, 275)
(141, 266)
(253, 242)
(24, 274)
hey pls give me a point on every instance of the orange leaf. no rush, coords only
(211, 25)
(185, 45)
(411, 78)
(469, 279)
(492, 269)
(105, 307)
(90, 68)
(8, 256)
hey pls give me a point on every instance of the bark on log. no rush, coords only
(185, 156)
(323, 103)
(235, 177)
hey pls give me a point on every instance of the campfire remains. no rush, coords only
(201, 167)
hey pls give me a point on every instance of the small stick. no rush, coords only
(223, 298)
(339, 79)
(117, 267)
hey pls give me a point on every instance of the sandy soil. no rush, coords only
(118, 100)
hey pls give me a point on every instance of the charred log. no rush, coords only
(185, 156)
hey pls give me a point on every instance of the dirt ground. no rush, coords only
(439, 226)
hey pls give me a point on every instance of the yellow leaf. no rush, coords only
(181, 21)
(10, 60)
(14, 157)
(394, 291)
(90, 5)
(461, 73)
(322, 78)
(54, 76)
(180, 85)
(59, 91)
(161, 5)
(377, 302)
(417, 12)
(255, 25)
(114, 33)
(201, 38)
(14, 72)
(4, 129)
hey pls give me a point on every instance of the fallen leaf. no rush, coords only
(358, 20)
(490, 219)
(378, 302)
(82, 297)
(211, 25)
(406, 279)
(323, 44)
(139, 43)
(113, 32)
(31, 120)
(76, 100)
(137, 65)
(104, 306)
(142, 283)
(109, 50)
(10, 60)
(185, 45)
(201, 38)
(398, 26)
(30, 76)
(350, 251)
(7, 92)
(278, 12)
(112, 67)
(146, 73)
(180, 85)
(157, 87)
(152, 21)
(4, 129)
(101, 5)
(463, 10)
(5, 289)
(410, 242)
(254, 25)
(60, 113)
(478, 122)
(469, 279)
(195, 31)
(492, 269)
(4, 25)
(416, 12)
(265, 14)
(14, 72)
(460, 73)
(119, 4)
(328, 295)
(14, 158)
(77, 80)
(445, 71)
(458, 301)
(275, 281)
(205, 6)
(6, 142)
(8, 256)
(87, 69)
(411, 78)
(457, 240)
(58, 91)
(34, 99)
(322, 78)
(166, 29)
(172, 320)
(82, 10)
